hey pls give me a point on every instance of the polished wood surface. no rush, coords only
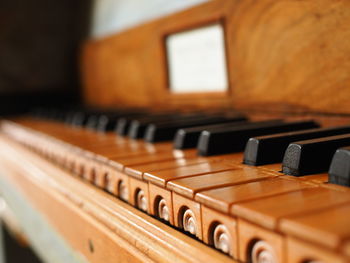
(298, 250)
(223, 198)
(318, 225)
(267, 211)
(273, 242)
(162, 177)
(189, 186)
(210, 221)
(287, 56)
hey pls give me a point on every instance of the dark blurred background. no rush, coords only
(39, 50)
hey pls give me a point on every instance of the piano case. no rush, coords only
(113, 199)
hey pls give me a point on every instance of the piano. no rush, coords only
(250, 165)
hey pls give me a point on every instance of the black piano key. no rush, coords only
(92, 122)
(188, 137)
(105, 120)
(37, 113)
(123, 123)
(122, 126)
(51, 114)
(69, 117)
(138, 127)
(60, 116)
(166, 131)
(79, 119)
(339, 171)
(76, 116)
(107, 123)
(234, 139)
(86, 118)
(270, 149)
(312, 156)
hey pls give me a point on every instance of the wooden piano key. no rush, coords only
(139, 169)
(81, 138)
(91, 168)
(233, 158)
(299, 251)
(107, 144)
(139, 194)
(161, 203)
(79, 162)
(94, 140)
(328, 227)
(117, 183)
(222, 199)
(120, 160)
(102, 179)
(189, 186)
(259, 245)
(268, 211)
(153, 158)
(140, 146)
(187, 215)
(321, 178)
(162, 177)
(154, 191)
(79, 167)
(116, 151)
(118, 155)
(220, 231)
(336, 187)
(102, 147)
(271, 167)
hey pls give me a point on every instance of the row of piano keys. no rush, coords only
(252, 212)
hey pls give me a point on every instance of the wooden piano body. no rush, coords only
(286, 59)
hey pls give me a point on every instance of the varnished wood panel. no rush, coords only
(283, 55)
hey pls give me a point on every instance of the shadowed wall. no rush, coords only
(39, 44)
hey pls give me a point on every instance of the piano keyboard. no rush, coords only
(257, 191)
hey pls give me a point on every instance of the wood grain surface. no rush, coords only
(284, 55)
